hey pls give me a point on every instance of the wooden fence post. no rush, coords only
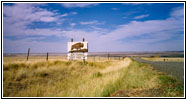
(47, 57)
(28, 54)
(108, 56)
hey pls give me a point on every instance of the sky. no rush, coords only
(107, 27)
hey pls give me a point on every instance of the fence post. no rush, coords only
(108, 56)
(28, 54)
(47, 57)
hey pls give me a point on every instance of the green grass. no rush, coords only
(171, 87)
(141, 77)
(72, 79)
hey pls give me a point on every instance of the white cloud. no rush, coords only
(67, 14)
(137, 28)
(43, 32)
(27, 13)
(141, 16)
(71, 5)
(73, 24)
(64, 15)
(94, 22)
(19, 16)
(47, 19)
(101, 30)
(179, 11)
(89, 22)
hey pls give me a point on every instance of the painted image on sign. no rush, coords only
(77, 47)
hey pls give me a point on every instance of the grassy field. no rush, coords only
(101, 78)
(165, 59)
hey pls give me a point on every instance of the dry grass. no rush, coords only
(117, 66)
(56, 78)
(32, 59)
(60, 78)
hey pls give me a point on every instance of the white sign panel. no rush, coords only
(77, 56)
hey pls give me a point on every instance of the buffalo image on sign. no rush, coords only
(77, 47)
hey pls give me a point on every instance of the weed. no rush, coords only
(97, 74)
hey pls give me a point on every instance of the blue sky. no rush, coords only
(108, 27)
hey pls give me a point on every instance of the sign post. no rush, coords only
(83, 60)
(77, 50)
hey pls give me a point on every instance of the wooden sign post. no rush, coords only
(83, 61)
